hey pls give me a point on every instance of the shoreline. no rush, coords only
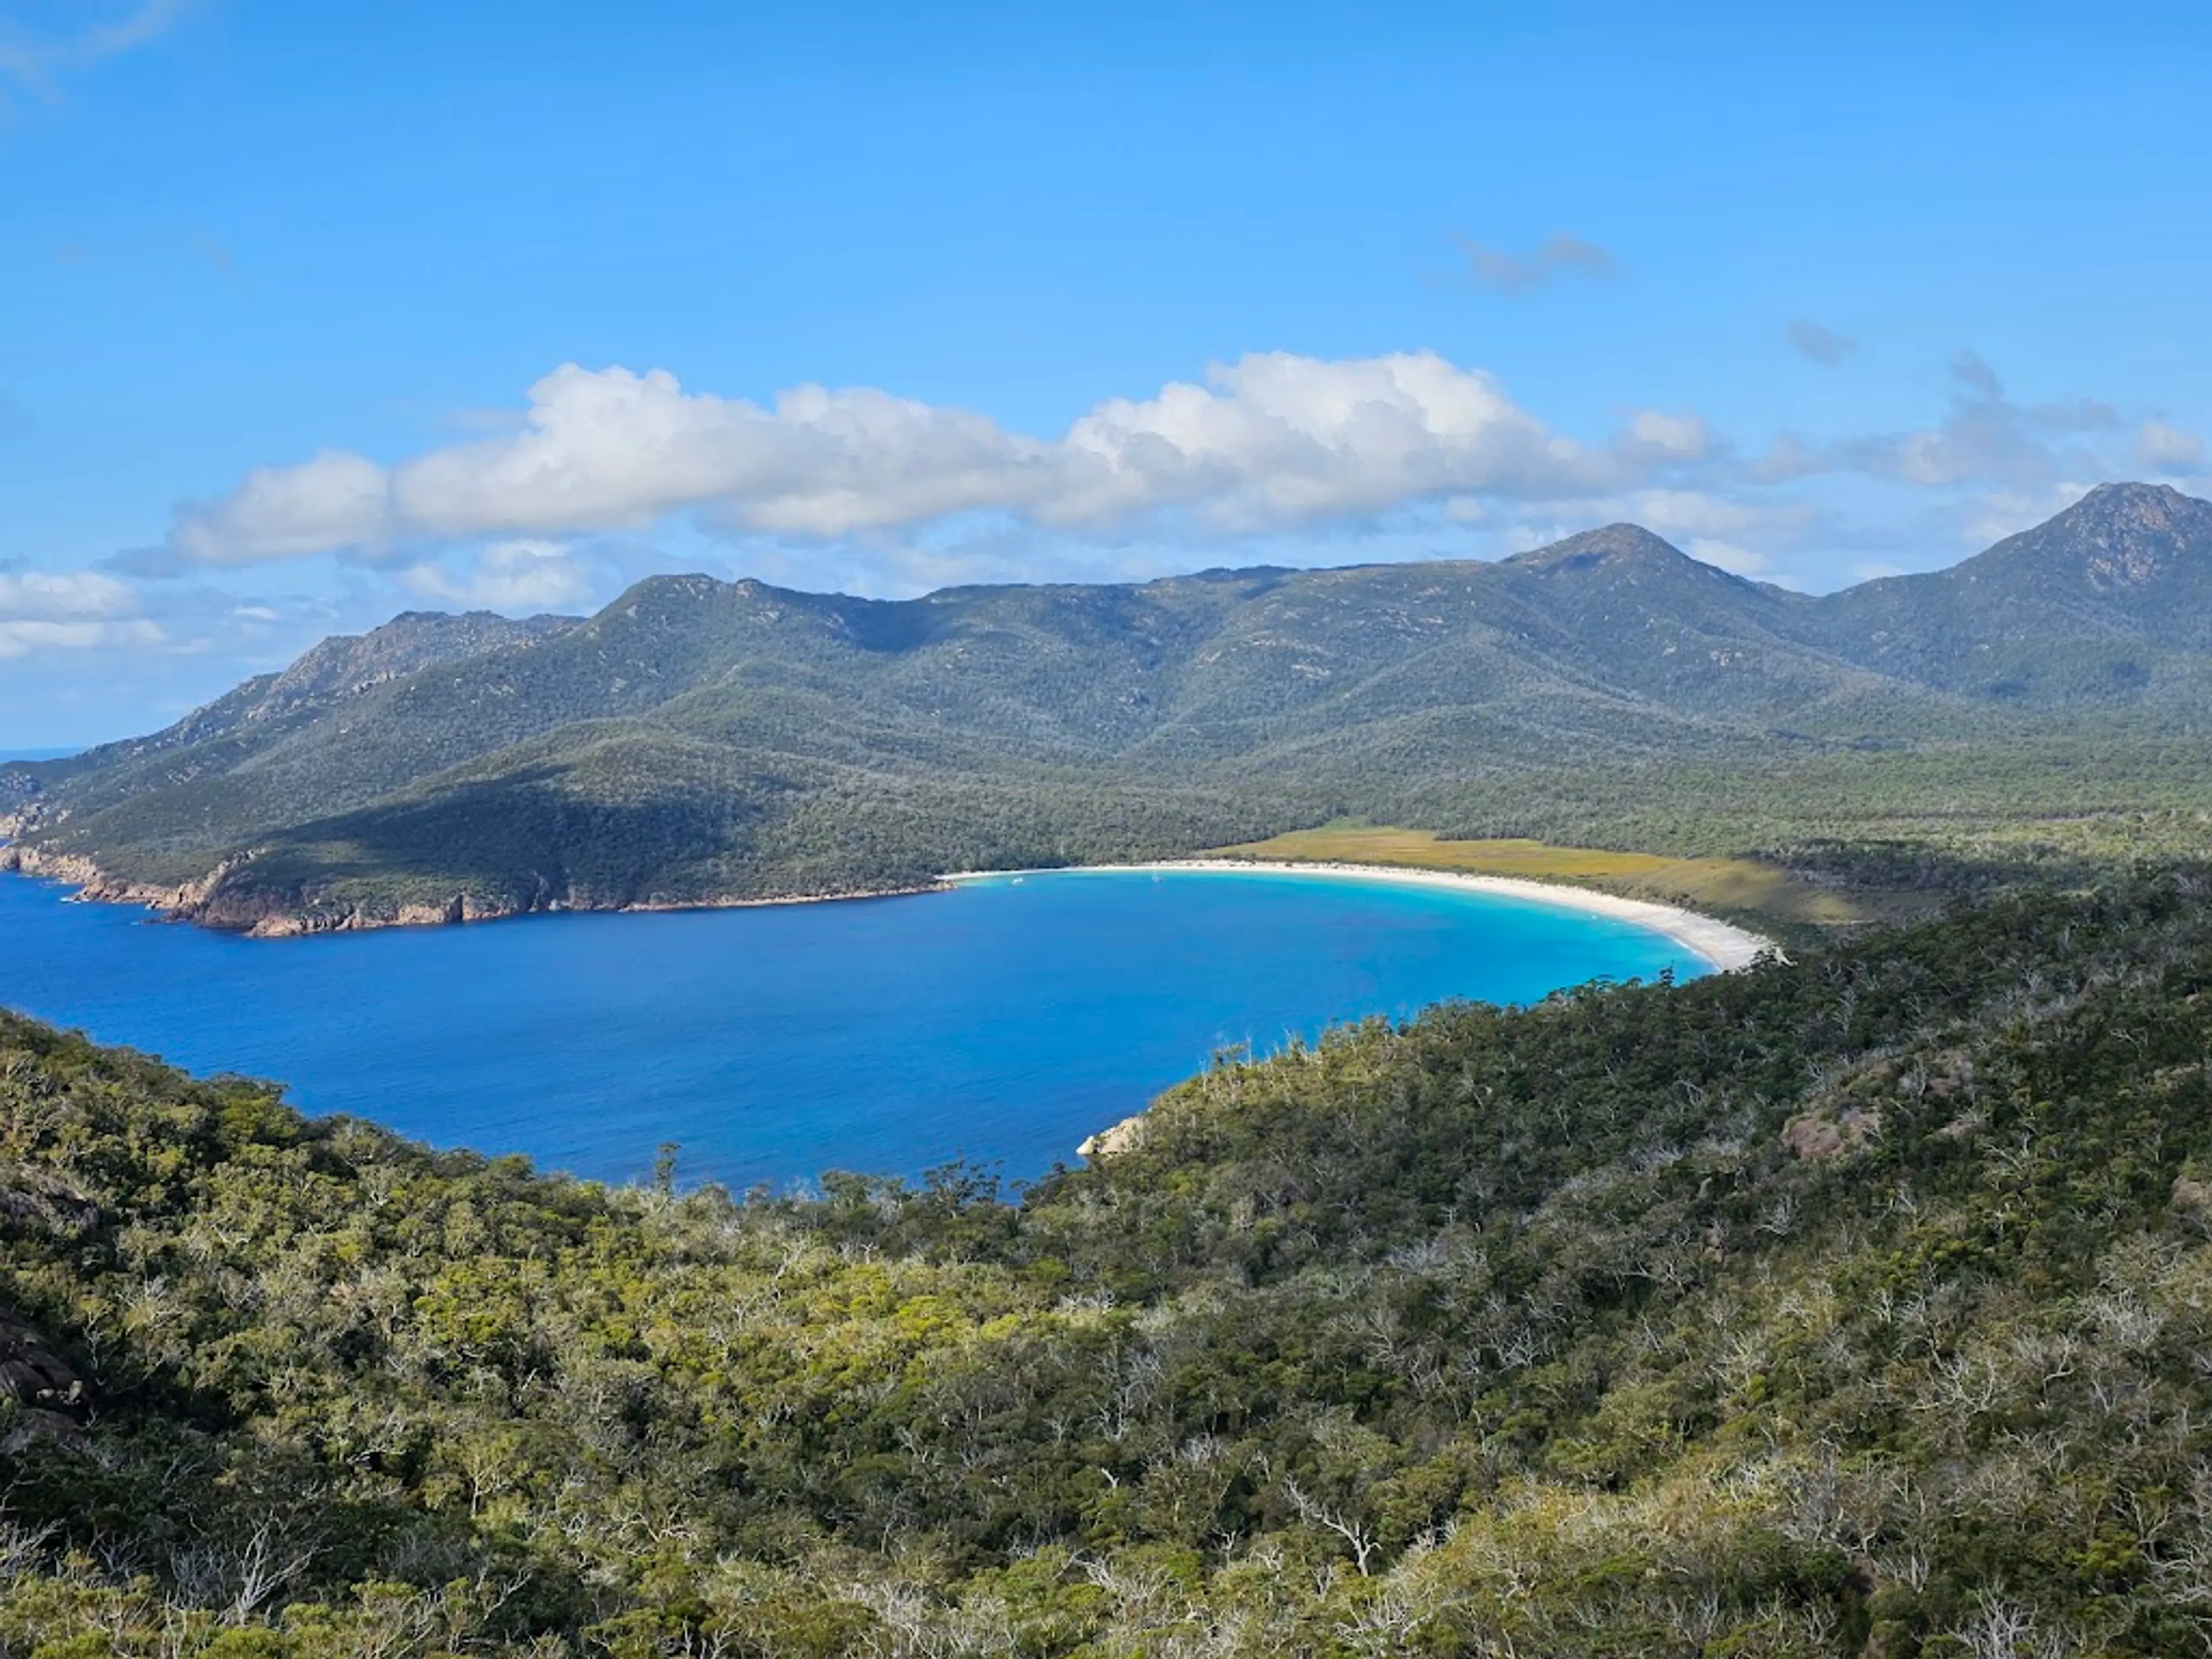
(190, 904)
(1722, 945)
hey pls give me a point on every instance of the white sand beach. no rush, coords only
(1725, 946)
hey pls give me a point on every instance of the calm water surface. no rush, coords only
(1001, 1021)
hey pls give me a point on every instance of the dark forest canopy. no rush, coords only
(1853, 1305)
(698, 740)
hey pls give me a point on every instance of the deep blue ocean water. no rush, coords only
(1001, 1021)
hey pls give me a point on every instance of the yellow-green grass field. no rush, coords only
(1728, 886)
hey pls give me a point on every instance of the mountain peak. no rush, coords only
(1616, 547)
(2119, 538)
(416, 639)
(2134, 489)
(2140, 507)
(689, 586)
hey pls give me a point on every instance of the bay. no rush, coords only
(1000, 1022)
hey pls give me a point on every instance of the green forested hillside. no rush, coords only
(698, 740)
(2110, 601)
(339, 670)
(1852, 1306)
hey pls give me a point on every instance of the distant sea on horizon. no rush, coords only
(1001, 1021)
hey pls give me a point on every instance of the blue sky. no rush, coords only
(312, 313)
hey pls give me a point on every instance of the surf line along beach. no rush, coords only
(1722, 945)
(1726, 948)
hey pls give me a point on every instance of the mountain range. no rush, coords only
(699, 741)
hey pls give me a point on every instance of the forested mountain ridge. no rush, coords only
(699, 741)
(343, 666)
(1855, 1307)
(2113, 598)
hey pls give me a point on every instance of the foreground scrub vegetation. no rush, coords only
(1859, 1305)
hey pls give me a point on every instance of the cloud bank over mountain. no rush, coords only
(606, 475)
(1273, 442)
(1273, 445)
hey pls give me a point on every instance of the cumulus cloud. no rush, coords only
(42, 594)
(1280, 440)
(1729, 556)
(70, 610)
(1821, 345)
(861, 488)
(1679, 437)
(31, 636)
(335, 499)
(1561, 253)
(516, 576)
(81, 617)
(1272, 441)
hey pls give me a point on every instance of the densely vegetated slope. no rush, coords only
(1851, 1307)
(699, 740)
(2110, 600)
(339, 669)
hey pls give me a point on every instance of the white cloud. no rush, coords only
(1272, 441)
(882, 493)
(520, 576)
(70, 610)
(336, 500)
(23, 638)
(1683, 436)
(1702, 513)
(1726, 556)
(1277, 440)
(100, 617)
(46, 596)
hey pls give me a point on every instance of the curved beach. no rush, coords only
(1727, 947)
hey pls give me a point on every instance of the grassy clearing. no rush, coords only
(1740, 887)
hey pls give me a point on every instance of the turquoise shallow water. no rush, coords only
(1001, 1021)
